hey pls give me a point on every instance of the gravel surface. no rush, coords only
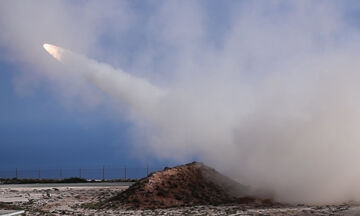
(89, 184)
(82, 199)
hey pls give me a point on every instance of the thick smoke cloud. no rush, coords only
(271, 100)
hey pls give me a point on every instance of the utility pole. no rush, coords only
(125, 172)
(103, 173)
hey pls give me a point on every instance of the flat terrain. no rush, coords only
(50, 185)
(81, 198)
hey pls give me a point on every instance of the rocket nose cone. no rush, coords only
(54, 51)
(46, 46)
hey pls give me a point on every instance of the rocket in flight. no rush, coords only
(135, 91)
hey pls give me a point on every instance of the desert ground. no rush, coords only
(81, 199)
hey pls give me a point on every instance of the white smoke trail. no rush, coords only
(274, 103)
(137, 92)
(297, 144)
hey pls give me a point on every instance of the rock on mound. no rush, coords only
(190, 184)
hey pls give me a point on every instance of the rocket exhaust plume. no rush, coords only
(270, 96)
(55, 51)
(292, 135)
(137, 92)
(292, 132)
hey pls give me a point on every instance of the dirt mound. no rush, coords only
(186, 185)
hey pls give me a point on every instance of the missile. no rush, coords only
(135, 91)
(54, 51)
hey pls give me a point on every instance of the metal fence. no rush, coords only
(104, 173)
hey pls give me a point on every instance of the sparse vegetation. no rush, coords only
(4, 205)
(91, 205)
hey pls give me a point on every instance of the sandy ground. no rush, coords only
(79, 200)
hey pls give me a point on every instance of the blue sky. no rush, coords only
(37, 131)
(43, 125)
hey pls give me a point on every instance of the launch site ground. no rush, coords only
(80, 199)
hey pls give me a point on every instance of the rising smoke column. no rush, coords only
(272, 98)
(293, 132)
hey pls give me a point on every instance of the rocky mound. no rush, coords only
(186, 185)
